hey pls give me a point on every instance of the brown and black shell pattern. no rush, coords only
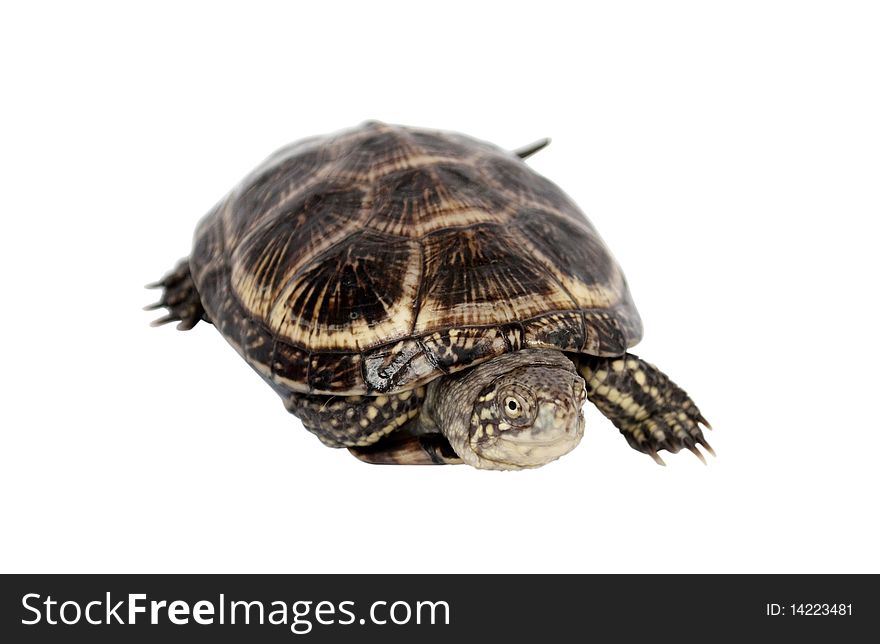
(379, 258)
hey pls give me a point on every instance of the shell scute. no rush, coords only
(562, 330)
(379, 258)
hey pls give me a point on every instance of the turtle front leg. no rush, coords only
(651, 411)
(376, 429)
(408, 448)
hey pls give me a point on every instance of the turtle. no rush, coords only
(420, 296)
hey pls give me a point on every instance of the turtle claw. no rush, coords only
(702, 441)
(180, 297)
(657, 459)
(667, 429)
(165, 319)
(696, 452)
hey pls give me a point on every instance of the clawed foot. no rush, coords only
(670, 429)
(179, 297)
(651, 411)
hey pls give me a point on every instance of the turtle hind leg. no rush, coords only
(651, 411)
(180, 297)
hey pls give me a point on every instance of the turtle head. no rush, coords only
(522, 409)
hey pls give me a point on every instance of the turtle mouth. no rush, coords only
(521, 441)
(560, 430)
(535, 443)
(553, 436)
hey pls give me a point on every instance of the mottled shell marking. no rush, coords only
(382, 257)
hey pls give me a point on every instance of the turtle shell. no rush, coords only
(377, 259)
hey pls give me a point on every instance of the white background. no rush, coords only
(728, 152)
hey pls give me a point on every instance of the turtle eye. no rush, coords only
(516, 406)
(513, 408)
